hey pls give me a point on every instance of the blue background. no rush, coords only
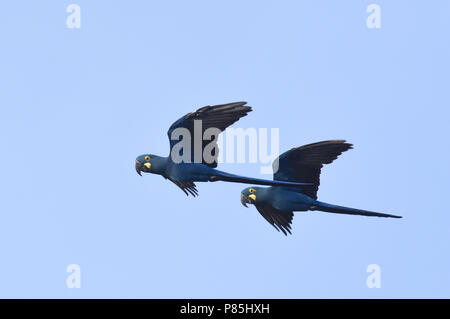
(78, 105)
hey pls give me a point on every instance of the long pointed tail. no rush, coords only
(222, 176)
(324, 207)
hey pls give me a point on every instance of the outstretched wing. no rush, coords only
(280, 220)
(303, 164)
(186, 187)
(217, 116)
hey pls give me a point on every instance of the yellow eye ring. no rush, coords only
(251, 190)
(147, 158)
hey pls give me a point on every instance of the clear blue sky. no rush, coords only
(78, 105)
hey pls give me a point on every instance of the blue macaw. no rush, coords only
(277, 204)
(184, 174)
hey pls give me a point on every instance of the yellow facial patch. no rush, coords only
(252, 196)
(148, 165)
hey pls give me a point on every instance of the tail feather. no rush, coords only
(222, 176)
(329, 208)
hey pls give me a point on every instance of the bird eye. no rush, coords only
(251, 190)
(147, 158)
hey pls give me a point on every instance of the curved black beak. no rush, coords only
(244, 200)
(138, 167)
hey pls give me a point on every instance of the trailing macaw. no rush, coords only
(277, 203)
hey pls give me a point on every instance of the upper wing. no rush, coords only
(217, 116)
(280, 220)
(303, 164)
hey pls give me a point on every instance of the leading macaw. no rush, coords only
(184, 174)
(277, 203)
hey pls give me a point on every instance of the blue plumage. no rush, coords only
(185, 173)
(277, 204)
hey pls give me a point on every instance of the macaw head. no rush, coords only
(147, 163)
(248, 195)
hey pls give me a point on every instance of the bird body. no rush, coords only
(286, 199)
(277, 203)
(183, 172)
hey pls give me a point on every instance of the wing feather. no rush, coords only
(280, 220)
(304, 163)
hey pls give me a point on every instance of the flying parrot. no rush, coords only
(277, 203)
